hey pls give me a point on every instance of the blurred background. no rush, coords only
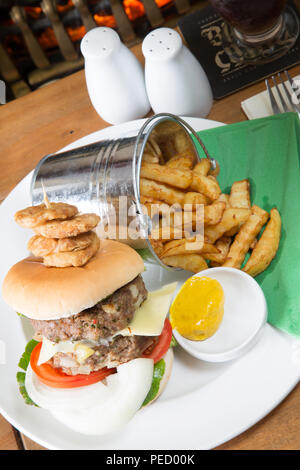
(39, 40)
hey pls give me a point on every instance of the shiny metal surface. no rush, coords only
(104, 177)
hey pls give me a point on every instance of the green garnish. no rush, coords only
(25, 359)
(158, 373)
(144, 253)
(173, 342)
(20, 315)
(21, 381)
(23, 364)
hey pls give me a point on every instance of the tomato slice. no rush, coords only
(163, 343)
(58, 379)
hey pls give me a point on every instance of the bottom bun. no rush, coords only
(168, 358)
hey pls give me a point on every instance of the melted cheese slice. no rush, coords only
(148, 320)
(82, 350)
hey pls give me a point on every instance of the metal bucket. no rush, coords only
(99, 177)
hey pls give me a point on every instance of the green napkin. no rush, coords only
(266, 151)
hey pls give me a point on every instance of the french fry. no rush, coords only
(224, 198)
(150, 158)
(149, 200)
(231, 218)
(156, 190)
(157, 246)
(253, 244)
(206, 185)
(194, 198)
(202, 167)
(240, 194)
(244, 238)
(162, 174)
(266, 247)
(183, 144)
(166, 233)
(154, 147)
(222, 246)
(232, 232)
(216, 171)
(155, 208)
(173, 179)
(194, 263)
(212, 214)
(184, 246)
(183, 161)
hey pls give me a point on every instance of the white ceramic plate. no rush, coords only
(203, 405)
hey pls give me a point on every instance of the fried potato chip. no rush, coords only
(194, 263)
(34, 216)
(240, 194)
(73, 258)
(245, 237)
(231, 218)
(266, 247)
(41, 246)
(68, 228)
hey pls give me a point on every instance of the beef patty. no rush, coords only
(121, 349)
(100, 321)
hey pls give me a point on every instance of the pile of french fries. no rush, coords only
(231, 223)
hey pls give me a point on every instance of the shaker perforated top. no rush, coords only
(161, 44)
(100, 42)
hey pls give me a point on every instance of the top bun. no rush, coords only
(43, 293)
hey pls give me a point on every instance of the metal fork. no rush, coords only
(286, 100)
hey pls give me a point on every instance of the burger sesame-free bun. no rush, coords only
(44, 293)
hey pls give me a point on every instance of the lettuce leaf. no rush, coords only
(173, 342)
(21, 381)
(144, 253)
(158, 373)
(23, 364)
(25, 359)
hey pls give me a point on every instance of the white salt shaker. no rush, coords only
(175, 81)
(114, 77)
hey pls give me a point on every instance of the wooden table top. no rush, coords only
(50, 118)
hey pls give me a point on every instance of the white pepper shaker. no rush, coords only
(114, 77)
(175, 81)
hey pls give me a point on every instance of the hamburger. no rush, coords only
(102, 343)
